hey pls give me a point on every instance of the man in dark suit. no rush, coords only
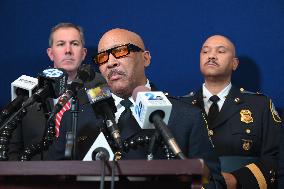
(122, 60)
(244, 126)
(66, 50)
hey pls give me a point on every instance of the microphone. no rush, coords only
(100, 154)
(51, 83)
(100, 148)
(85, 76)
(147, 102)
(21, 89)
(24, 83)
(152, 110)
(103, 105)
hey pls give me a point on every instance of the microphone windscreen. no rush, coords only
(86, 73)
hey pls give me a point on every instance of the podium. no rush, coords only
(62, 174)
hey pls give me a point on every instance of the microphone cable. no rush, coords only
(112, 172)
(102, 181)
(117, 156)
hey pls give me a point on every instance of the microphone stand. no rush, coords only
(71, 138)
(6, 132)
(153, 145)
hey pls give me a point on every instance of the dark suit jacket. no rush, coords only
(246, 129)
(29, 131)
(186, 124)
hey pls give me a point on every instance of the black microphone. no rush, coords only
(51, 83)
(100, 153)
(85, 76)
(103, 105)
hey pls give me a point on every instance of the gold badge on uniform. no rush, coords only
(246, 116)
(117, 156)
(247, 144)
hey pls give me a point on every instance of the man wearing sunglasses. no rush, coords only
(122, 60)
(244, 126)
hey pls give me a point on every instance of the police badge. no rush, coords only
(247, 144)
(246, 116)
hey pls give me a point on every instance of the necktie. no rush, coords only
(126, 122)
(59, 115)
(214, 109)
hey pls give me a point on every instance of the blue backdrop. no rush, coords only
(173, 32)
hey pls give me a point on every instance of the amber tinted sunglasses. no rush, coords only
(118, 52)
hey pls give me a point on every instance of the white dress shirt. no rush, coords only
(222, 95)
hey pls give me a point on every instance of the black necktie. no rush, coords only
(126, 122)
(214, 109)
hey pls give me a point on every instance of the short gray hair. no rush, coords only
(66, 25)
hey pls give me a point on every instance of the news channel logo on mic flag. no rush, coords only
(55, 79)
(52, 72)
(98, 94)
(149, 102)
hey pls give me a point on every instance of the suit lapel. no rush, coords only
(198, 101)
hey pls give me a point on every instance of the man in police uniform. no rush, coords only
(244, 126)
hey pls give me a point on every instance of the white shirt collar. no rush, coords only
(222, 95)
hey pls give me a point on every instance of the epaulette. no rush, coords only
(170, 96)
(242, 90)
(189, 94)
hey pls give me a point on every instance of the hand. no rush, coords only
(231, 180)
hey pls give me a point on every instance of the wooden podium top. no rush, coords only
(123, 167)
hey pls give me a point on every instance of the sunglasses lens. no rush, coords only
(102, 58)
(117, 52)
(120, 51)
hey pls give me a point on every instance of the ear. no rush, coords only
(147, 58)
(84, 53)
(235, 63)
(50, 54)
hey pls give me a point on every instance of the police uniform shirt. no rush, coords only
(222, 95)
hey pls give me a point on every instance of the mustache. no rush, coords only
(212, 61)
(115, 72)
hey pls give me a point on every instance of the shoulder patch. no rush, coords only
(274, 112)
